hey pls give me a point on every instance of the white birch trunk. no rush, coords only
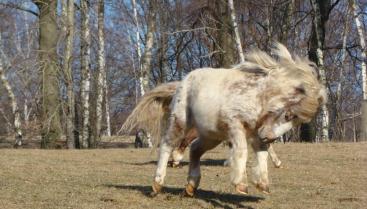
(101, 69)
(27, 112)
(363, 48)
(342, 58)
(146, 62)
(9, 125)
(85, 67)
(236, 32)
(138, 50)
(363, 124)
(15, 110)
(107, 106)
(320, 58)
(14, 106)
(69, 32)
(339, 88)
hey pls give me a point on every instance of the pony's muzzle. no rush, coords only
(266, 135)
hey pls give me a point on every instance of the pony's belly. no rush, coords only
(206, 122)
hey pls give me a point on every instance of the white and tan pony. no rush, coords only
(252, 103)
(148, 114)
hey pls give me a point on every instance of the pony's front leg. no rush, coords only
(261, 179)
(239, 158)
(274, 158)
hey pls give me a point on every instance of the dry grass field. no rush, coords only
(332, 175)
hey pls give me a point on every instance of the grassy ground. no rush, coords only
(330, 175)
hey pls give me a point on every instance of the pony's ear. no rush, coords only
(282, 52)
(252, 68)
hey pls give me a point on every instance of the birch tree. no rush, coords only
(363, 70)
(14, 105)
(146, 62)
(317, 45)
(339, 89)
(138, 50)
(101, 72)
(48, 37)
(85, 67)
(107, 105)
(68, 5)
(235, 28)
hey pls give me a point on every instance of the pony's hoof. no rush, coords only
(176, 165)
(189, 191)
(263, 188)
(242, 188)
(157, 188)
(278, 165)
(153, 194)
(227, 163)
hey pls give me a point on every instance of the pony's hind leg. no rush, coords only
(164, 153)
(261, 169)
(175, 132)
(197, 149)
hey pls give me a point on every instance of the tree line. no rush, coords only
(72, 70)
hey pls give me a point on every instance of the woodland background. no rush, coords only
(72, 71)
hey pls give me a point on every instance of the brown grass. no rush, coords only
(332, 175)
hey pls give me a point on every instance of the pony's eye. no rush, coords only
(288, 116)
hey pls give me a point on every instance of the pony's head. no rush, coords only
(292, 95)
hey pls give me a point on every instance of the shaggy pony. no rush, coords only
(252, 103)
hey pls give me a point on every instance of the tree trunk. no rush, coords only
(146, 62)
(339, 89)
(68, 72)
(235, 28)
(138, 50)
(27, 112)
(101, 73)
(48, 37)
(224, 40)
(107, 106)
(85, 68)
(15, 109)
(363, 70)
(268, 25)
(286, 23)
(321, 11)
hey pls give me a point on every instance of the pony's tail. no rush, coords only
(151, 113)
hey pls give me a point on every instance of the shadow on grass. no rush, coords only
(204, 162)
(214, 198)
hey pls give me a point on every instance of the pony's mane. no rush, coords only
(285, 72)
